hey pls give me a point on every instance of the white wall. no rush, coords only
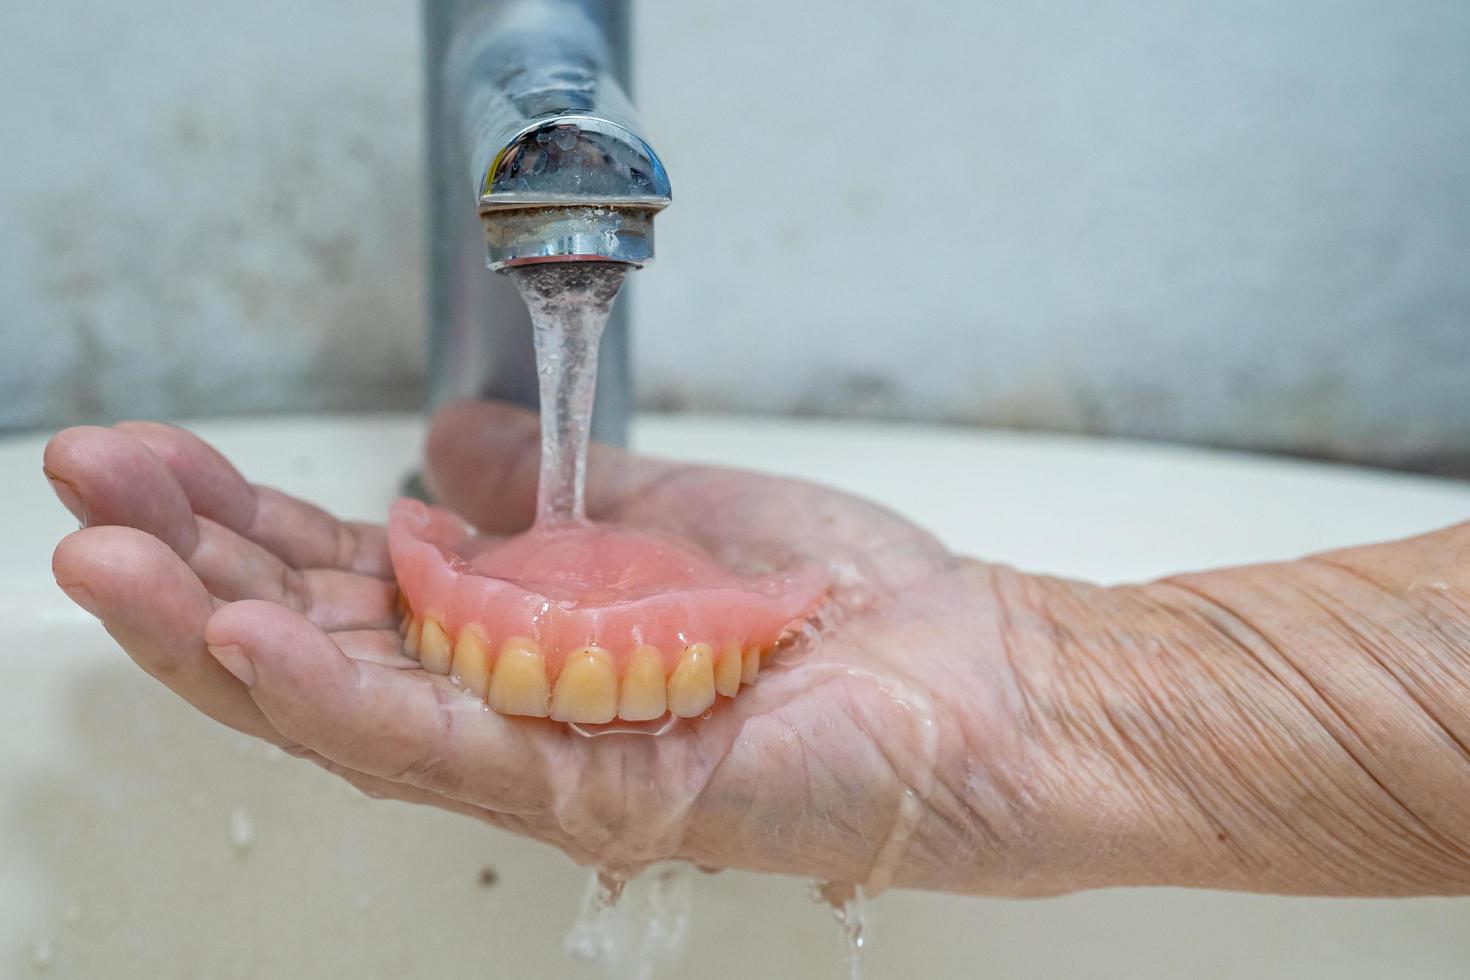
(208, 207)
(1233, 221)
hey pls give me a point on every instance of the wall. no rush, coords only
(1235, 222)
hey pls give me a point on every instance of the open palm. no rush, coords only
(276, 619)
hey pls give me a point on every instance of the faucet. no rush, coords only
(534, 155)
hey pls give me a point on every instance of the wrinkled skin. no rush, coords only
(954, 725)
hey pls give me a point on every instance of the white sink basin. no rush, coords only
(118, 804)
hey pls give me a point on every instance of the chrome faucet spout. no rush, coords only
(527, 100)
(560, 171)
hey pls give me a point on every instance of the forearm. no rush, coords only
(1300, 727)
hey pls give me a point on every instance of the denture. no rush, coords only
(587, 623)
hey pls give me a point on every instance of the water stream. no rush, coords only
(629, 926)
(849, 908)
(569, 304)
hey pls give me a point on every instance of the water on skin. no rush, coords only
(569, 304)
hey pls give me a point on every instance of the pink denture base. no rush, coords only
(577, 585)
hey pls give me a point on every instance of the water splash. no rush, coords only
(569, 304)
(631, 926)
(590, 939)
(850, 909)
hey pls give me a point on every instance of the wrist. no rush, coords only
(1161, 750)
(1241, 729)
(1034, 785)
(1113, 796)
(1294, 728)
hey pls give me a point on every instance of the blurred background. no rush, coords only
(1238, 222)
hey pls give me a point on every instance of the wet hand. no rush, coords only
(1297, 727)
(276, 619)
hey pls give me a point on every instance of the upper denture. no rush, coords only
(581, 613)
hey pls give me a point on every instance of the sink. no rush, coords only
(139, 840)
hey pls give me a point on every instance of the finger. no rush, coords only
(306, 536)
(215, 489)
(394, 724)
(116, 480)
(156, 609)
(483, 459)
(234, 567)
(302, 534)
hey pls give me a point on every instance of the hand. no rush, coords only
(1297, 727)
(883, 754)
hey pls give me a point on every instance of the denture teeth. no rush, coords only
(645, 688)
(587, 690)
(750, 665)
(411, 638)
(518, 681)
(727, 672)
(692, 685)
(472, 662)
(434, 649)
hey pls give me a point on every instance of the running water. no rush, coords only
(629, 925)
(569, 304)
(849, 908)
(632, 926)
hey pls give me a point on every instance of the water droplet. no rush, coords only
(242, 830)
(42, 955)
(659, 726)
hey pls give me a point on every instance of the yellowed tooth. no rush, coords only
(750, 665)
(518, 681)
(692, 684)
(404, 624)
(411, 638)
(587, 689)
(472, 661)
(727, 672)
(434, 649)
(645, 688)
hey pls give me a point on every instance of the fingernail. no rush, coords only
(82, 596)
(66, 492)
(233, 659)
